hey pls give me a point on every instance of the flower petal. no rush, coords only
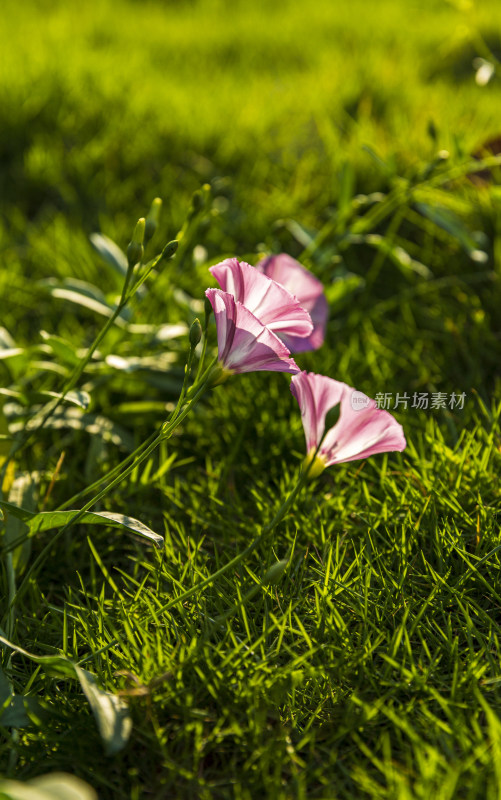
(360, 432)
(244, 344)
(316, 395)
(288, 272)
(272, 304)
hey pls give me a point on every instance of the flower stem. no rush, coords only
(166, 431)
(72, 382)
(282, 511)
(280, 514)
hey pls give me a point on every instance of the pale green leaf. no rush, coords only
(110, 252)
(47, 520)
(53, 786)
(110, 711)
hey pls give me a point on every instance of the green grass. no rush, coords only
(372, 669)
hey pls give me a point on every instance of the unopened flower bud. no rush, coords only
(135, 250)
(197, 202)
(152, 219)
(170, 249)
(275, 573)
(195, 333)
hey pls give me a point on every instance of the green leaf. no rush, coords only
(22, 493)
(305, 236)
(449, 221)
(397, 255)
(110, 252)
(10, 352)
(160, 333)
(61, 348)
(93, 424)
(47, 520)
(85, 295)
(53, 786)
(12, 711)
(59, 666)
(113, 255)
(110, 711)
(77, 398)
(341, 289)
(6, 340)
(13, 708)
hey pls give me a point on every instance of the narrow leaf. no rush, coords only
(110, 252)
(46, 520)
(110, 711)
(22, 493)
(93, 424)
(76, 398)
(53, 786)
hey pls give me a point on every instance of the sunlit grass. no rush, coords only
(372, 668)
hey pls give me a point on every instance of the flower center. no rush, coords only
(219, 374)
(318, 465)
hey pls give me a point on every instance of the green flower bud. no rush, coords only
(197, 202)
(138, 235)
(170, 249)
(195, 333)
(135, 250)
(275, 573)
(152, 219)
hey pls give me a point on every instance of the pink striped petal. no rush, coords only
(316, 395)
(272, 304)
(288, 272)
(244, 344)
(360, 432)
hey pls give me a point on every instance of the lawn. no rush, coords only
(367, 663)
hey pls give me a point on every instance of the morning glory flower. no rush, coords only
(362, 429)
(289, 273)
(244, 343)
(272, 304)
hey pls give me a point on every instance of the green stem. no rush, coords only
(203, 378)
(166, 432)
(282, 511)
(187, 370)
(202, 355)
(115, 471)
(72, 382)
(111, 474)
(11, 579)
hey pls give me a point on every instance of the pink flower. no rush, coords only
(272, 304)
(361, 430)
(244, 344)
(289, 273)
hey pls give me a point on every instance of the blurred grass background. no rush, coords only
(287, 110)
(103, 104)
